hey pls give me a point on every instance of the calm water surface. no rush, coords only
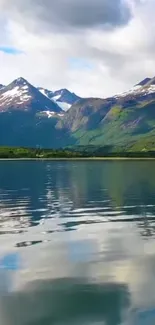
(77, 243)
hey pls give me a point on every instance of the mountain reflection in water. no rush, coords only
(77, 242)
(66, 301)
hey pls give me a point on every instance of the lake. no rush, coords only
(77, 242)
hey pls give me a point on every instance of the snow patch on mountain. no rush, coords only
(63, 97)
(145, 87)
(56, 98)
(44, 92)
(49, 113)
(131, 91)
(52, 114)
(20, 92)
(64, 106)
(151, 89)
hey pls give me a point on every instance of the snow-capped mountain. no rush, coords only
(63, 97)
(21, 95)
(32, 117)
(143, 88)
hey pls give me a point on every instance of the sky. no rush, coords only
(92, 47)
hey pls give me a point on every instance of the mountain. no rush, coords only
(21, 95)
(1, 86)
(27, 117)
(144, 88)
(125, 121)
(122, 120)
(63, 97)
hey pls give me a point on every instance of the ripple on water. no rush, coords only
(84, 233)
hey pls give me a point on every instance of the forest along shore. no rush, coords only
(86, 153)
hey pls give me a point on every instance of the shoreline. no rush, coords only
(81, 159)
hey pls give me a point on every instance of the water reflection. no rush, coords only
(76, 193)
(67, 301)
(76, 242)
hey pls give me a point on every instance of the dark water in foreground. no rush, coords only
(77, 243)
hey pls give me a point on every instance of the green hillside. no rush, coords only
(130, 127)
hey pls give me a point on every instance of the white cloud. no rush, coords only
(118, 57)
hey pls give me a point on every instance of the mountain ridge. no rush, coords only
(36, 120)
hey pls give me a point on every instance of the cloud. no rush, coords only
(70, 14)
(94, 48)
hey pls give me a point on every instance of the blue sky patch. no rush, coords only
(80, 63)
(10, 50)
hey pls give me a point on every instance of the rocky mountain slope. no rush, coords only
(86, 113)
